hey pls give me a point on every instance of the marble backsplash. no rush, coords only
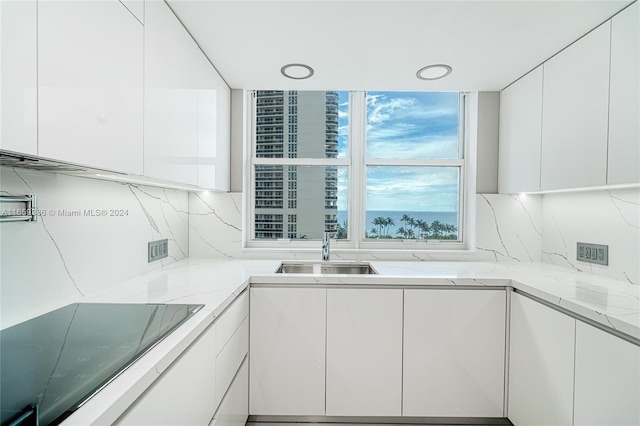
(74, 249)
(508, 230)
(600, 217)
(68, 253)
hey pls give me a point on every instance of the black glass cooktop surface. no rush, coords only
(53, 363)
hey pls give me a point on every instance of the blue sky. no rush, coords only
(408, 125)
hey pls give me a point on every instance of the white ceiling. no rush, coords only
(379, 45)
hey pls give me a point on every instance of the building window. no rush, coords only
(404, 150)
(413, 166)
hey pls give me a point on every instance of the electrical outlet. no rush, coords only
(593, 253)
(158, 250)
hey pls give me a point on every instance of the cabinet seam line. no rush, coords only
(507, 352)
(606, 165)
(402, 360)
(326, 332)
(573, 394)
(541, 131)
(37, 78)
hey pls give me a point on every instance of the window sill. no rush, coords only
(415, 253)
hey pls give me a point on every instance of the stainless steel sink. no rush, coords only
(325, 268)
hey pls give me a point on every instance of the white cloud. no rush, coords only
(412, 125)
(412, 188)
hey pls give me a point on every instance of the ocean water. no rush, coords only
(444, 217)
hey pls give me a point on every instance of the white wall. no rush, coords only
(600, 217)
(487, 140)
(58, 259)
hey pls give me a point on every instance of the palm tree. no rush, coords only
(386, 223)
(341, 233)
(450, 229)
(402, 232)
(424, 228)
(437, 228)
(379, 223)
(406, 233)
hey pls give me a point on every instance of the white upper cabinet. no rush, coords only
(624, 111)
(186, 117)
(575, 113)
(18, 39)
(521, 134)
(214, 121)
(90, 74)
(171, 97)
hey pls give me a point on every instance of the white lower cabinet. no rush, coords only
(541, 364)
(454, 353)
(230, 359)
(364, 352)
(184, 393)
(208, 372)
(607, 382)
(234, 409)
(287, 339)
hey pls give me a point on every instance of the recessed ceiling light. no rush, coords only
(433, 72)
(297, 71)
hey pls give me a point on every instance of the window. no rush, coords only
(413, 166)
(375, 169)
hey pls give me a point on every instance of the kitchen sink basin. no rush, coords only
(326, 268)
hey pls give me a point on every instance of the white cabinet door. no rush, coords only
(214, 121)
(364, 352)
(521, 134)
(541, 364)
(234, 409)
(90, 70)
(171, 97)
(607, 383)
(187, 106)
(624, 110)
(184, 394)
(287, 355)
(18, 39)
(454, 351)
(230, 359)
(575, 113)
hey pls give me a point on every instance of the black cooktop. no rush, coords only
(51, 364)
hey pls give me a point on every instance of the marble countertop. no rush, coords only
(216, 283)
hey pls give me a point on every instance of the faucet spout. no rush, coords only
(326, 247)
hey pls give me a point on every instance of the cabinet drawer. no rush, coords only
(230, 359)
(182, 395)
(230, 321)
(234, 410)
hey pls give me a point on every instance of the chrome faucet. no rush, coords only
(326, 247)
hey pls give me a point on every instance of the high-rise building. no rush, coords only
(296, 202)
